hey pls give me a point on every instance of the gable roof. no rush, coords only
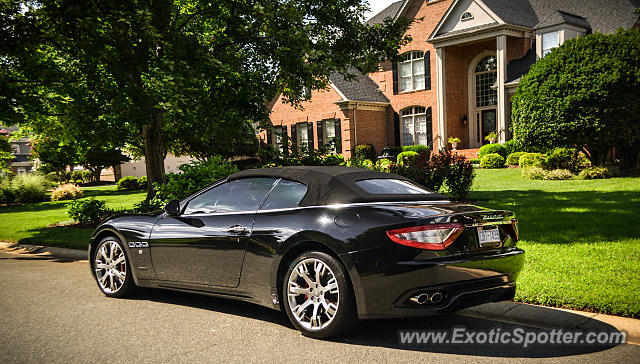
(519, 67)
(361, 88)
(598, 15)
(390, 11)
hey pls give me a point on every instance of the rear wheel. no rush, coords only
(111, 268)
(317, 296)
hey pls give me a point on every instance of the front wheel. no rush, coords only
(317, 296)
(111, 268)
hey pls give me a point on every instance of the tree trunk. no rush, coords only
(96, 174)
(154, 151)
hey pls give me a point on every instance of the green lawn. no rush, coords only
(29, 223)
(582, 238)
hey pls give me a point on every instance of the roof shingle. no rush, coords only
(362, 88)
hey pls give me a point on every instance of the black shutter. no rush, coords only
(427, 71)
(310, 134)
(285, 140)
(396, 128)
(320, 135)
(269, 136)
(394, 67)
(338, 136)
(294, 136)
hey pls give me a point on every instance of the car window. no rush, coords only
(238, 195)
(388, 186)
(286, 194)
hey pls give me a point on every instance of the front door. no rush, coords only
(488, 124)
(206, 243)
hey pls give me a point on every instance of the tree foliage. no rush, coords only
(5, 152)
(584, 95)
(161, 74)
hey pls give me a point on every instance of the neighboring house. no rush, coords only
(21, 149)
(138, 168)
(455, 78)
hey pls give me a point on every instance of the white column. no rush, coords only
(501, 56)
(442, 131)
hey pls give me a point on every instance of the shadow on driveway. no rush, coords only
(386, 333)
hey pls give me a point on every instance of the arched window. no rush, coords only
(416, 125)
(412, 71)
(485, 76)
(466, 16)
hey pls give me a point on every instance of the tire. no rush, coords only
(110, 265)
(321, 309)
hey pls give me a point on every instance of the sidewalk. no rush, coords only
(553, 318)
(507, 312)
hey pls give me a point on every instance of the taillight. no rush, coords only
(430, 237)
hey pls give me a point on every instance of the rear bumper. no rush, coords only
(385, 289)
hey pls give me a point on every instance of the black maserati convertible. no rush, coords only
(328, 245)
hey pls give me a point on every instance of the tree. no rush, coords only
(150, 67)
(583, 95)
(97, 158)
(54, 155)
(5, 151)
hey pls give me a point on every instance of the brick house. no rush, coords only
(455, 78)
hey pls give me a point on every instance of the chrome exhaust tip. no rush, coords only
(420, 299)
(436, 298)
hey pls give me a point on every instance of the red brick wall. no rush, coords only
(431, 12)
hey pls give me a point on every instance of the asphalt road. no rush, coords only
(52, 311)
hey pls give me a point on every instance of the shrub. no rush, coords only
(405, 156)
(367, 163)
(81, 176)
(129, 183)
(383, 165)
(533, 173)
(88, 211)
(512, 147)
(531, 160)
(68, 191)
(598, 173)
(414, 148)
(514, 158)
(365, 151)
(142, 183)
(7, 194)
(475, 161)
(30, 187)
(561, 158)
(541, 174)
(493, 148)
(145, 206)
(333, 160)
(601, 112)
(194, 177)
(493, 160)
(428, 170)
(459, 177)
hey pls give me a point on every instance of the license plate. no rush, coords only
(489, 236)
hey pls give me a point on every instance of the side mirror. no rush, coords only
(172, 208)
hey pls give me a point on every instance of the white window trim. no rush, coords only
(413, 117)
(326, 139)
(413, 76)
(299, 140)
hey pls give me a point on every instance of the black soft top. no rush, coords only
(334, 185)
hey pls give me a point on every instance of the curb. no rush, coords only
(47, 251)
(553, 318)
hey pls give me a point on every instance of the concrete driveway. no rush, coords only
(53, 311)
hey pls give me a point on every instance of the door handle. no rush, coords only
(236, 229)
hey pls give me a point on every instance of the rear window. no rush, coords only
(384, 186)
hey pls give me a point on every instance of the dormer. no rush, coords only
(558, 27)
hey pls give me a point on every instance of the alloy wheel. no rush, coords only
(110, 265)
(313, 294)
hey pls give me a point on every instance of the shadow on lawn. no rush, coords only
(60, 236)
(568, 217)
